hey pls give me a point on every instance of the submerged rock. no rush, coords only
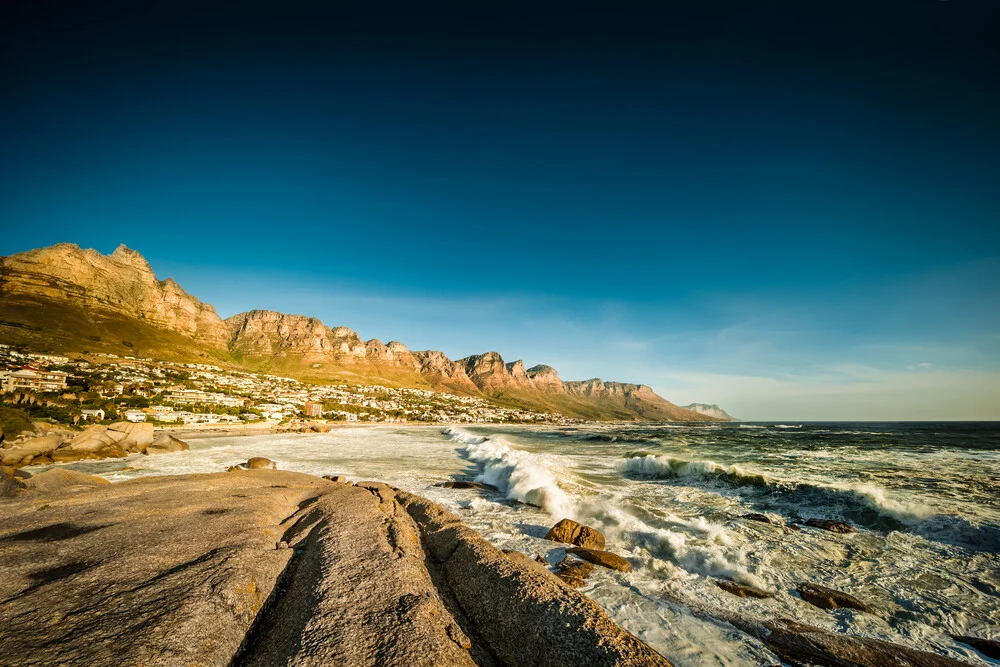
(988, 647)
(830, 525)
(742, 590)
(571, 532)
(482, 486)
(829, 598)
(574, 572)
(602, 558)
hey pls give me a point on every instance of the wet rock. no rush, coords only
(799, 644)
(42, 461)
(571, 532)
(235, 469)
(574, 572)
(754, 516)
(988, 647)
(67, 455)
(260, 463)
(830, 525)
(829, 598)
(339, 479)
(602, 558)
(61, 479)
(481, 486)
(742, 590)
(167, 444)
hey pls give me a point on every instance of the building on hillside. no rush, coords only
(92, 415)
(313, 409)
(33, 379)
(51, 359)
(135, 415)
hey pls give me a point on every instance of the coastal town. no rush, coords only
(74, 389)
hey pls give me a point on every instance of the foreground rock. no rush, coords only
(62, 479)
(830, 525)
(571, 532)
(9, 485)
(183, 570)
(829, 598)
(602, 558)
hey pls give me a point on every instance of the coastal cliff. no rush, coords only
(65, 298)
(264, 567)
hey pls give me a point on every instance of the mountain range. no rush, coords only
(65, 298)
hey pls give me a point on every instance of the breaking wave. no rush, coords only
(520, 475)
(865, 504)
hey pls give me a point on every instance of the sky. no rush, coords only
(790, 209)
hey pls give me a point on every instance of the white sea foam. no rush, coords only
(521, 476)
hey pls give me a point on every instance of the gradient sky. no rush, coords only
(791, 209)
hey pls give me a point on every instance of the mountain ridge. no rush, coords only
(65, 295)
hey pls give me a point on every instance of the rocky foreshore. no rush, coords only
(264, 567)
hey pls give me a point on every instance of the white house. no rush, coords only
(96, 415)
(135, 415)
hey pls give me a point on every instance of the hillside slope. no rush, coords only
(67, 299)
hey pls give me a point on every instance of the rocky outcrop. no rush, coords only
(88, 283)
(545, 378)
(568, 531)
(261, 463)
(187, 571)
(829, 598)
(742, 590)
(166, 444)
(602, 558)
(831, 525)
(122, 282)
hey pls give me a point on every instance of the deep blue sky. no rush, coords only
(789, 208)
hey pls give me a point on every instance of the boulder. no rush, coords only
(828, 598)
(42, 460)
(30, 448)
(9, 485)
(67, 455)
(602, 558)
(260, 463)
(754, 516)
(574, 572)
(235, 469)
(111, 452)
(468, 485)
(141, 432)
(167, 444)
(94, 438)
(571, 532)
(830, 525)
(61, 479)
(339, 479)
(988, 647)
(742, 590)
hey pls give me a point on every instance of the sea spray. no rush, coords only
(859, 500)
(520, 475)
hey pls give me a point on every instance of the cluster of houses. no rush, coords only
(203, 393)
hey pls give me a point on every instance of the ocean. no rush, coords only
(924, 498)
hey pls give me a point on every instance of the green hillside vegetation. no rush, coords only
(14, 422)
(50, 326)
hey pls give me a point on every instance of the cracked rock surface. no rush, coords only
(183, 570)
